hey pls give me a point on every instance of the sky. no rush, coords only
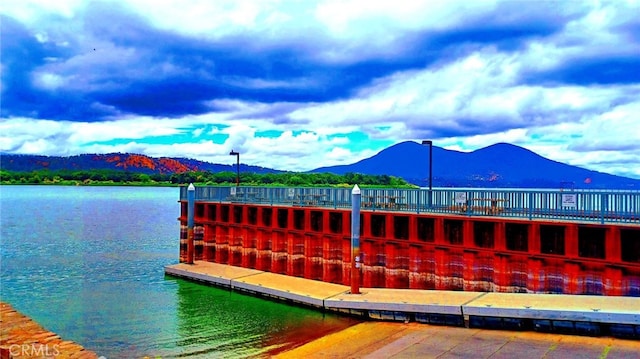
(296, 85)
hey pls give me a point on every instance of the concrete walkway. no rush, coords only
(414, 340)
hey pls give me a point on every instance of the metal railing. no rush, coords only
(575, 205)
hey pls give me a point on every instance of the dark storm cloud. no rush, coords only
(458, 126)
(21, 53)
(506, 37)
(590, 71)
(200, 71)
(171, 75)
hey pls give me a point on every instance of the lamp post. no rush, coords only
(430, 143)
(237, 154)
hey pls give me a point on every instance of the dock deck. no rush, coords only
(300, 290)
(570, 314)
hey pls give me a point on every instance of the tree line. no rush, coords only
(114, 177)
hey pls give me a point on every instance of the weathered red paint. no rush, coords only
(449, 252)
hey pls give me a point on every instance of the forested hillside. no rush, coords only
(114, 177)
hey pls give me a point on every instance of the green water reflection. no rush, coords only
(215, 322)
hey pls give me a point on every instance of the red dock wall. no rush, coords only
(421, 251)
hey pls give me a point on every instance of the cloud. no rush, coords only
(299, 85)
(123, 64)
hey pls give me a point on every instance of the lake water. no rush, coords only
(88, 264)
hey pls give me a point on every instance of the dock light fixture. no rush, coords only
(237, 154)
(430, 143)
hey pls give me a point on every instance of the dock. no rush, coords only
(21, 337)
(516, 241)
(547, 313)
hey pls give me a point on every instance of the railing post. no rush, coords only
(530, 205)
(355, 240)
(604, 203)
(190, 216)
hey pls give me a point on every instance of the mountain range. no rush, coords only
(499, 166)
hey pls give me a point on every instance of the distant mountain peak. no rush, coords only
(499, 165)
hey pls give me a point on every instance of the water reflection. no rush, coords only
(224, 323)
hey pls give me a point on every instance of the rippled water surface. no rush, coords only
(88, 264)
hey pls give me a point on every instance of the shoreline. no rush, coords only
(22, 337)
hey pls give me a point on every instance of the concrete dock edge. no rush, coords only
(618, 316)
